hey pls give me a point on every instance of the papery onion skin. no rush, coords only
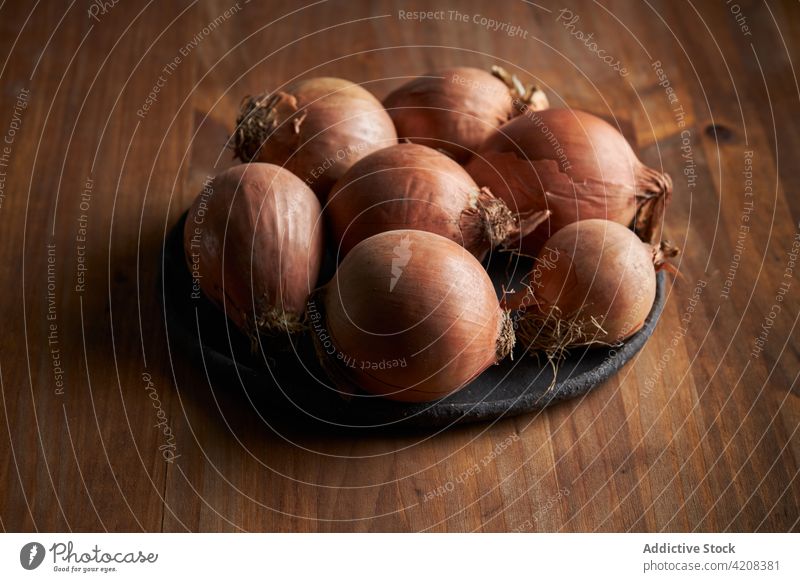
(456, 109)
(316, 128)
(594, 282)
(255, 237)
(410, 316)
(576, 165)
(410, 186)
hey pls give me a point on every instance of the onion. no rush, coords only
(576, 165)
(457, 109)
(410, 316)
(413, 186)
(594, 282)
(253, 242)
(316, 128)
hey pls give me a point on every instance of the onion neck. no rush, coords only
(258, 119)
(653, 192)
(488, 223)
(662, 252)
(530, 98)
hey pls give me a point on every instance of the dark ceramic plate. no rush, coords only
(283, 377)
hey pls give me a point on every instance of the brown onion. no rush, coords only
(594, 282)
(253, 242)
(316, 128)
(410, 316)
(576, 165)
(457, 109)
(416, 187)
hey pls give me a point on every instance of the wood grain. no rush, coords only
(695, 434)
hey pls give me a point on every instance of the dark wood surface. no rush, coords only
(696, 433)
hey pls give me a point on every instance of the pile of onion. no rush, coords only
(409, 316)
(457, 109)
(575, 165)
(594, 282)
(316, 128)
(253, 238)
(413, 186)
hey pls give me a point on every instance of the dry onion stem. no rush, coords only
(258, 118)
(525, 98)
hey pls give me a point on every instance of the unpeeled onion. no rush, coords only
(253, 242)
(410, 316)
(457, 109)
(575, 165)
(416, 187)
(316, 128)
(594, 282)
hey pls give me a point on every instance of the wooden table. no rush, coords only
(112, 117)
